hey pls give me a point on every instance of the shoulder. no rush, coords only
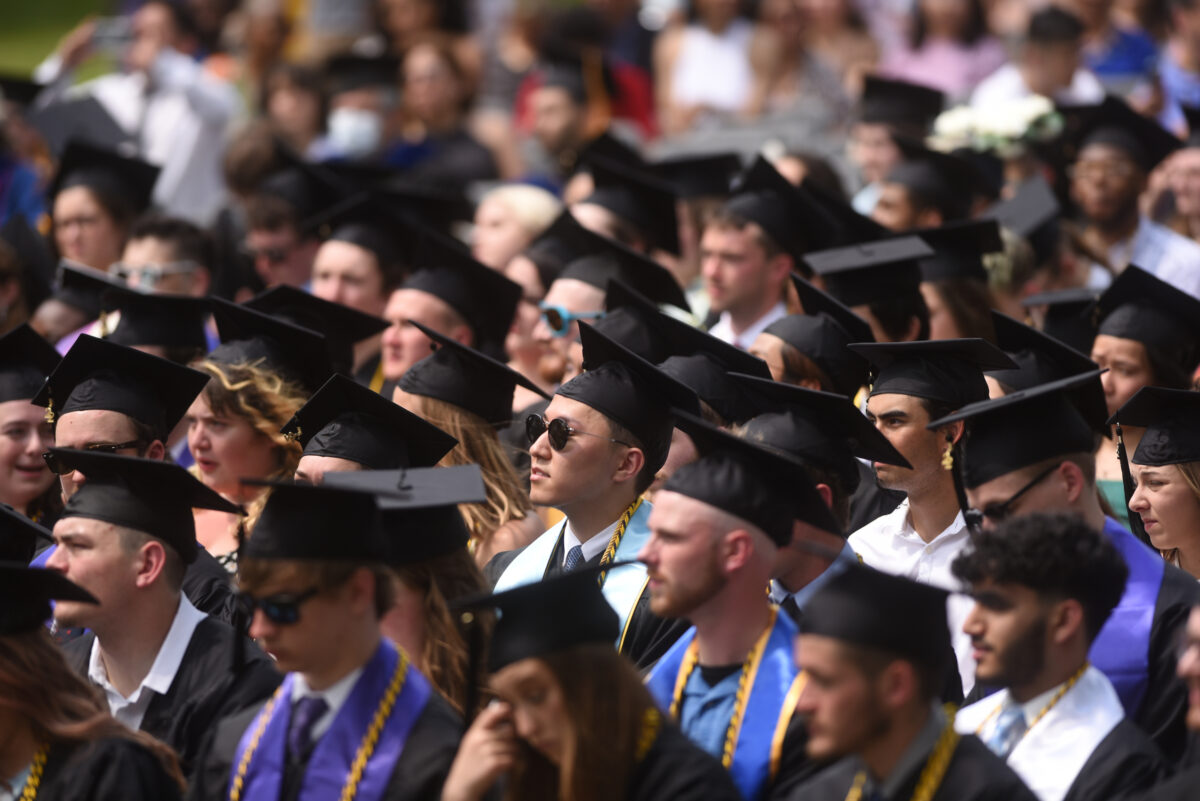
(109, 769)
(496, 566)
(879, 528)
(428, 752)
(676, 769)
(78, 651)
(831, 784)
(977, 773)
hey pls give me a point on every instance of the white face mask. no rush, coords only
(355, 131)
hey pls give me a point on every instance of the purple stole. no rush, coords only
(331, 760)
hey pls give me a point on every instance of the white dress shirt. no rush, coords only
(1006, 85)
(335, 696)
(723, 329)
(891, 544)
(593, 547)
(130, 710)
(1160, 251)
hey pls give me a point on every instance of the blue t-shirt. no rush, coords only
(1127, 58)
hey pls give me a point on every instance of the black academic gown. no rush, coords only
(205, 690)
(676, 770)
(974, 774)
(418, 775)
(1125, 762)
(1183, 786)
(109, 769)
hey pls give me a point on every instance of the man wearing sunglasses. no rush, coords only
(1033, 451)
(167, 255)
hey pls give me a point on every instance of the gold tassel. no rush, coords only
(49, 416)
(948, 459)
(292, 436)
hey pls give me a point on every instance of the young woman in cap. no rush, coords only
(26, 483)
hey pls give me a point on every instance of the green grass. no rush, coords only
(31, 31)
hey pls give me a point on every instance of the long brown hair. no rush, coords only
(606, 703)
(61, 706)
(1190, 471)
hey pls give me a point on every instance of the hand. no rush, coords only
(487, 751)
(76, 46)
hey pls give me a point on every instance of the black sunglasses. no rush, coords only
(282, 608)
(559, 431)
(58, 468)
(999, 512)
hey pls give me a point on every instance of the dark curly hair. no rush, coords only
(1056, 555)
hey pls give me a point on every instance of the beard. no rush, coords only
(676, 600)
(551, 367)
(1022, 659)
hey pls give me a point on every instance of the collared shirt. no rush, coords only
(1162, 252)
(705, 710)
(593, 547)
(916, 753)
(723, 330)
(131, 710)
(779, 593)
(335, 696)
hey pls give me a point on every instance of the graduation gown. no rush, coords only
(676, 770)
(109, 769)
(206, 687)
(1180, 787)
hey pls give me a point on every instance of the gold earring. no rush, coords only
(948, 459)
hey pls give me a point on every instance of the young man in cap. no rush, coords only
(1031, 451)
(164, 666)
(715, 534)
(1043, 586)
(168, 255)
(873, 649)
(630, 204)
(927, 189)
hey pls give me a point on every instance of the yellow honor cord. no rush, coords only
(30, 791)
(614, 542)
(1067, 685)
(935, 767)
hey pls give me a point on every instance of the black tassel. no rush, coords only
(1135, 520)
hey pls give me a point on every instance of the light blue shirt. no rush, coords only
(705, 712)
(801, 596)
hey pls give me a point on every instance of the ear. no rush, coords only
(737, 549)
(779, 268)
(954, 431)
(1066, 621)
(914, 329)
(897, 684)
(361, 590)
(632, 461)
(156, 450)
(150, 562)
(826, 494)
(463, 335)
(1072, 477)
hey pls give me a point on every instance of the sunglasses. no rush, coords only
(59, 468)
(999, 512)
(149, 276)
(559, 432)
(282, 608)
(559, 319)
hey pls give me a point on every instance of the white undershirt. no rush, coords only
(335, 696)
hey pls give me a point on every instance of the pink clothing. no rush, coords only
(952, 67)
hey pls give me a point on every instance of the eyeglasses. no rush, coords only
(1091, 170)
(559, 319)
(559, 432)
(282, 608)
(998, 512)
(148, 276)
(58, 468)
(272, 255)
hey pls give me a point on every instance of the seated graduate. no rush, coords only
(874, 648)
(60, 742)
(597, 449)
(353, 717)
(1043, 586)
(572, 720)
(26, 483)
(164, 667)
(1032, 451)
(1183, 784)
(716, 530)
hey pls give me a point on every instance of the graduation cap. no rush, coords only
(1068, 317)
(1040, 358)
(157, 319)
(763, 486)
(26, 593)
(466, 378)
(96, 374)
(1032, 213)
(436, 205)
(870, 272)
(350, 71)
(106, 171)
(308, 188)
(1146, 309)
(1114, 123)
(788, 214)
(364, 221)
(895, 103)
(419, 507)
(349, 421)
(323, 524)
(1171, 418)
(1029, 426)
(19, 536)
(25, 361)
(637, 197)
(869, 608)
(604, 259)
(341, 325)
(152, 496)
(557, 246)
(946, 371)
(855, 227)
(249, 336)
(83, 288)
(19, 89)
(944, 181)
(34, 255)
(630, 391)
(958, 250)
(707, 175)
(611, 147)
(77, 121)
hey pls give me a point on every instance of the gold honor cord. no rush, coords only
(614, 542)
(935, 768)
(1067, 685)
(36, 770)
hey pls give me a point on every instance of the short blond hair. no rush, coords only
(534, 207)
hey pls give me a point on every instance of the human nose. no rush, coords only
(1139, 503)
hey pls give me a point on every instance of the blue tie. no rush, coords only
(1009, 728)
(574, 558)
(306, 712)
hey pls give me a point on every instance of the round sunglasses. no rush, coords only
(558, 431)
(559, 319)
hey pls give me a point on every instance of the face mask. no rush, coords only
(355, 132)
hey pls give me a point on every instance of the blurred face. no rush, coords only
(1168, 507)
(280, 257)
(871, 146)
(584, 468)
(539, 709)
(1189, 667)
(91, 554)
(295, 113)
(54, 319)
(1047, 495)
(840, 703)
(735, 268)
(520, 339)
(84, 231)
(95, 427)
(683, 451)
(941, 321)
(715, 12)
(1128, 368)
(403, 18)
(1007, 627)
(1106, 183)
(431, 90)
(305, 646)
(894, 210)
(403, 343)
(1183, 176)
(902, 420)
(227, 448)
(24, 436)
(347, 274)
(498, 235)
(563, 356)
(150, 263)
(557, 120)
(312, 469)
(596, 218)
(1050, 68)
(682, 556)
(945, 17)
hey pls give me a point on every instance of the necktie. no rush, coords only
(1009, 728)
(306, 712)
(574, 558)
(790, 607)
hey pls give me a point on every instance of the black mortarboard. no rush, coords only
(944, 181)
(946, 371)
(1068, 316)
(466, 378)
(637, 197)
(349, 421)
(606, 259)
(546, 616)
(308, 188)
(1029, 426)
(869, 608)
(26, 593)
(630, 391)
(789, 215)
(557, 246)
(364, 221)
(708, 175)
(855, 227)
(96, 374)
(83, 288)
(958, 250)
(157, 319)
(1114, 123)
(323, 524)
(81, 120)
(350, 71)
(1146, 309)
(249, 336)
(1171, 418)
(419, 507)
(822, 334)
(611, 147)
(899, 103)
(341, 325)
(19, 89)
(1032, 213)
(34, 255)
(105, 171)
(1040, 358)
(19, 536)
(869, 272)
(152, 496)
(25, 361)
(436, 205)
(761, 485)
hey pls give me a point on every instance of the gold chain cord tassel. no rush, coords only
(614, 542)
(35, 774)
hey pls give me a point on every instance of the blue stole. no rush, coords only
(756, 750)
(332, 758)
(1122, 649)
